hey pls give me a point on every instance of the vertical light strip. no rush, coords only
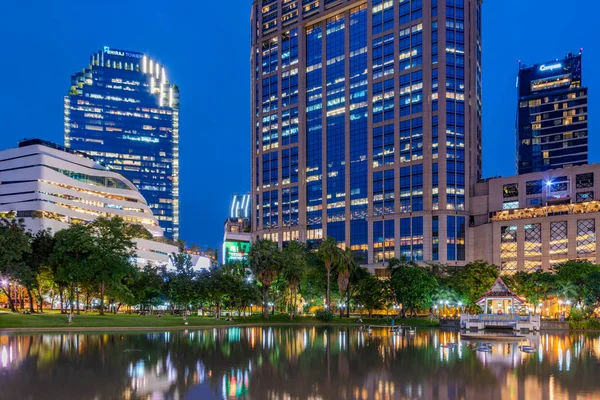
(144, 65)
(161, 94)
(171, 97)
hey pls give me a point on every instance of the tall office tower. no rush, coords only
(366, 124)
(552, 127)
(123, 111)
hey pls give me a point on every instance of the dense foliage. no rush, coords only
(89, 267)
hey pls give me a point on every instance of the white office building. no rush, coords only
(50, 187)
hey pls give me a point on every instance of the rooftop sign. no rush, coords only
(550, 67)
(121, 53)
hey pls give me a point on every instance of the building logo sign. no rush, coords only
(550, 67)
(120, 53)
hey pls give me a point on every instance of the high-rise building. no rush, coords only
(552, 126)
(123, 111)
(366, 124)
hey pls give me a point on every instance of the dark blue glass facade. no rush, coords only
(388, 103)
(552, 123)
(123, 111)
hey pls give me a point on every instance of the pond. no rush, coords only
(295, 363)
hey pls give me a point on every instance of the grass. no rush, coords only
(111, 321)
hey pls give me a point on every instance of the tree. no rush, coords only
(356, 276)
(265, 264)
(148, 286)
(294, 269)
(591, 292)
(566, 290)
(112, 251)
(14, 247)
(313, 285)
(329, 254)
(473, 280)
(371, 294)
(70, 260)
(535, 286)
(221, 286)
(42, 246)
(576, 272)
(182, 289)
(414, 288)
(345, 266)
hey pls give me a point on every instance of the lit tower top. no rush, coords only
(123, 111)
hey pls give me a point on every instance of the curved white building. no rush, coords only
(50, 187)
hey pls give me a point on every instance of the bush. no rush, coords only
(587, 324)
(576, 315)
(324, 315)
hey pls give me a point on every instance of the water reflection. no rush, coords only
(290, 363)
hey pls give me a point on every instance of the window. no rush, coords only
(559, 240)
(582, 197)
(584, 180)
(510, 190)
(533, 240)
(586, 236)
(508, 242)
(510, 205)
(533, 187)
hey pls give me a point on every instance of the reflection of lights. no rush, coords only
(4, 357)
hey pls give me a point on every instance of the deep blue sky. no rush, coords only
(205, 47)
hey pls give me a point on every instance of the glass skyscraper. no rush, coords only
(552, 126)
(123, 111)
(366, 124)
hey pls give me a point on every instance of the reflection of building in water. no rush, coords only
(290, 363)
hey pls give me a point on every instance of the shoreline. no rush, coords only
(183, 328)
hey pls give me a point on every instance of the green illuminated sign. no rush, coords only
(236, 251)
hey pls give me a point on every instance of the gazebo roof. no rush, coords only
(500, 290)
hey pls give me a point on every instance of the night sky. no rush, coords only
(205, 48)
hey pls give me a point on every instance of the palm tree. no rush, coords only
(346, 264)
(329, 253)
(265, 264)
(294, 269)
(566, 289)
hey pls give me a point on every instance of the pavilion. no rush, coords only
(500, 305)
(499, 300)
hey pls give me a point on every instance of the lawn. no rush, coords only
(93, 320)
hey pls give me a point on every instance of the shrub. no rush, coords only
(587, 324)
(576, 315)
(324, 315)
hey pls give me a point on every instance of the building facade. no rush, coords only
(123, 111)
(237, 238)
(366, 124)
(51, 187)
(552, 114)
(538, 220)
